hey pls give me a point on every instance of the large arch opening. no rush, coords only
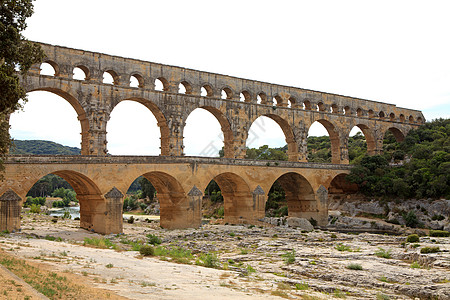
(292, 195)
(237, 198)
(47, 132)
(67, 188)
(361, 141)
(174, 207)
(141, 198)
(212, 202)
(323, 143)
(341, 189)
(392, 150)
(133, 129)
(270, 137)
(206, 132)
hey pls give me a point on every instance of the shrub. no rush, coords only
(313, 222)
(413, 238)
(147, 250)
(439, 233)
(289, 257)
(153, 239)
(67, 215)
(354, 266)
(415, 265)
(301, 286)
(426, 250)
(35, 209)
(342, 247)
(208, 260)
(383, 253)
(130, 220)
(411, 219)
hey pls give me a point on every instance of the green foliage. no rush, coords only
(426, 250)
(342, 247)
(439, 233)
(415, 265)
(383, 253)
(153, 239)
(47, 185)
(66, 194)
(289, 257)
(148, 190)
(40, 147)
(411, 219)
(35, 209)
(38, 201)
(99, 243)
(209, 260)
(15, 51)
(425, 175)
(413, 238)
(130, 203)
(354, 266)
(147, 250)
(266, 153)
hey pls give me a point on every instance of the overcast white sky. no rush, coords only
(391, 51)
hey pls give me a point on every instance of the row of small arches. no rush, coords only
(161, 84)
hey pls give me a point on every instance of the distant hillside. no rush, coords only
(38, 147)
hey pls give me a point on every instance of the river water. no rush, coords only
(74, 212)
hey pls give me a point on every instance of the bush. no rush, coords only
(130, 220)
(426, 250)
(147, 250)
(439, 233)
(413, 238)
(153, 239)
(289, 257)
(411, 219)
(355, 267)
(35, 209)
(208, 260)
(383, 253)
(67, 215)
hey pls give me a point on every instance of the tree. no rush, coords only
(16, 57)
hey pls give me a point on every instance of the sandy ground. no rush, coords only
(319, 270)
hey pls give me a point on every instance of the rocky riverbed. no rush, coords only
(253, 262)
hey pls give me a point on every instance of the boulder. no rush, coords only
(300, 223)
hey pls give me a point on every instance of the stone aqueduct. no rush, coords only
(100, 181)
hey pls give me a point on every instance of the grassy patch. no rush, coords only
(99, 243)
(342, 247)
(354, 266)
(209, 260)
(48, 283)
(289, 257)
(439, 233)
(383, 253)
(426, 250)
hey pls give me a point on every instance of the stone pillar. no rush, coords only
(10, 205)
(195, 197)
(97, 132)
(179, 210)
(114, 210)
(259, 203)
(175, 126)
(301, 139)
(343, 149)
(322, 205)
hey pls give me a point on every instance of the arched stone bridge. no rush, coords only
(100, 180)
